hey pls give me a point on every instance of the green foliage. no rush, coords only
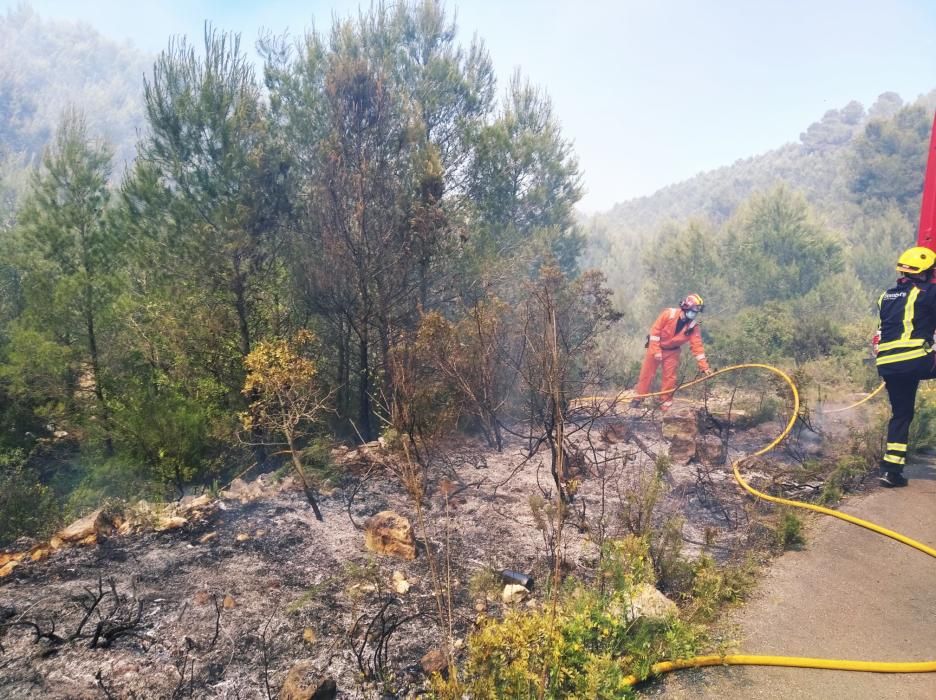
(845, 470)
(673, 572)
(836, 128)
(923, 428)
(684, 259)
(639, 502)
(876, 240)
(626, 563)
(27, 507)
(765, 333)
(65, 251)
(889, 157)
(766, 408)
(484, 584)
(774, 332)
(776, 251)
(119, 478)
(204, 200)
(712, 586)
(66, 256)
(852, 458)
(588, 650)
(789, 531)
(167, 433)
(38, 371)
(525, 180)
(317, 460)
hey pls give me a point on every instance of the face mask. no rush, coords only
(691, 314)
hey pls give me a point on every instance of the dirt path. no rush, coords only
(850, 594)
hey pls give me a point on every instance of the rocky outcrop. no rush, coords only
(687, 442)
(391, 534)
(369, 453)
(434, 661)
(680, 428)
(144, 515)
(88, 529)
(242, 491)
(100, 524)
(710, 450)
(514, 593)
(302, 683)
(9, 561)
(648, 602)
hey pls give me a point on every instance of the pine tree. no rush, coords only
(66, 253)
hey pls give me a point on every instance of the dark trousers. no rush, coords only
(902, 379)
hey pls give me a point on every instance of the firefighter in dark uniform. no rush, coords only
(905, 351)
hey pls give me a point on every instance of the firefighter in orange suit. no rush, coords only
(672, 329)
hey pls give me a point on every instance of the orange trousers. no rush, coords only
(648, 371)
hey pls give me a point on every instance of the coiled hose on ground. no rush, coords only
(793, 661)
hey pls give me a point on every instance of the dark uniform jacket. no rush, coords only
(908, 321)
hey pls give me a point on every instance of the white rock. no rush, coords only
(648, 602)
(514, 593)
(400, 584)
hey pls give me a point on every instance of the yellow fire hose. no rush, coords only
(793, 661)
(857, 403)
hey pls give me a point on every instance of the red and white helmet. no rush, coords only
(693, 302)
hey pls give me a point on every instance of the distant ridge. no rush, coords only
(812, 166)
(47, 66)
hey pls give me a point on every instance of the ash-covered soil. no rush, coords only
(252, 584)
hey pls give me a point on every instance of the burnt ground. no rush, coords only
(225, 605)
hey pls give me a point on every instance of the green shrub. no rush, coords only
(588, 650)
(27, 507)
(923, 428)
(713, 586)
(120, 477)
(789, 531)
(484, 584)
(845, 471)
(171, 436)
(317, 460)
(673, 571)
(854, 456)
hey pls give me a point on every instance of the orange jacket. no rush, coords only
(663, 336)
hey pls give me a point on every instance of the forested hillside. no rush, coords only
(807, 232)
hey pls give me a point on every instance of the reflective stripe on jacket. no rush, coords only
(663, 336)
(908, 320)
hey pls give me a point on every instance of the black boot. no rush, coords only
(892, 480)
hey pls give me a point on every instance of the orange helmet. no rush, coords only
(692, 302)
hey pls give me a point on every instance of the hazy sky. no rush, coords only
(651, 91)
